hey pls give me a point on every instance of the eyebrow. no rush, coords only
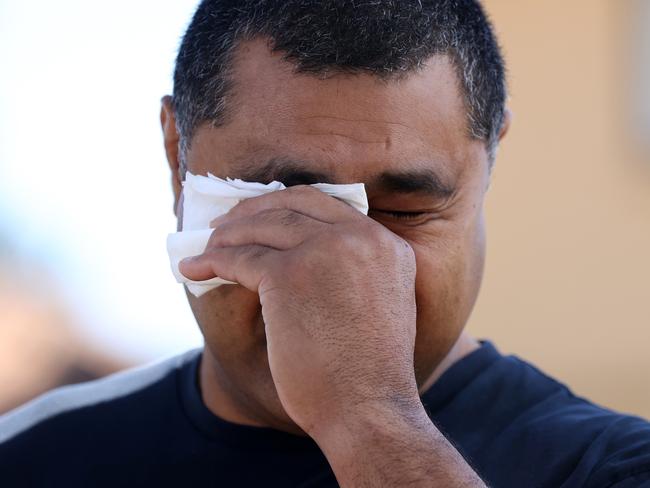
(289, 171)
(424, 182)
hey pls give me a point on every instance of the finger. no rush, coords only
(246, 265)
(303, 199)
(276, 228)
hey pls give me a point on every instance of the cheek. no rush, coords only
(230, 319)
(449, 270)
(449, 273)
(440, 285)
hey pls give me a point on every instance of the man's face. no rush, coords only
(407, 140)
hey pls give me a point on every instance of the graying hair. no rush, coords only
(387, 38)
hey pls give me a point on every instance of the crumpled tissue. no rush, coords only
(207, 197)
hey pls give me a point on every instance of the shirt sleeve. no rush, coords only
(642, 480)
(626, 460)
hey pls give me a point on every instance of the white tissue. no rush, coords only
(207, 197)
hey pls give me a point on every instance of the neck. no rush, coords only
(217, 397)
(463, 346)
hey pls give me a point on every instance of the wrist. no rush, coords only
(388, 446)
(371, 425)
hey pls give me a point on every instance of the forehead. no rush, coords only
(344, 125)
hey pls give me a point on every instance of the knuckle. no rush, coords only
(341, 242)
(265, 215)
(300, 190)
(217, 237)
(241, 206)
(256, 252)
(378, 235)
(289, 217)
(405, 252)
(226, 233)
(377, 240)
(282, 216)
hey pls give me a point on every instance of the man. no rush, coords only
(339, 357)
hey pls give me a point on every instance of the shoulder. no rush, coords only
(623, 453)
(515, 422)
(69, 409)
(593, 445)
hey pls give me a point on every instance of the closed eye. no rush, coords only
(402, 215)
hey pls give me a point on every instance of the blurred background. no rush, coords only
(86, 202)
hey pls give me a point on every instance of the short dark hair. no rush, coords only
(388, 38)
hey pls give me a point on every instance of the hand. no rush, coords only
(338, 301)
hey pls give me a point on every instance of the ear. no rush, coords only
(171, 139)
(505, 126)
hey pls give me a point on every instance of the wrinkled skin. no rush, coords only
(347, 128)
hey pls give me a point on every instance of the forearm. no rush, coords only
(381, 448)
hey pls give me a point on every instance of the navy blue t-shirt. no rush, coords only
(149, 427)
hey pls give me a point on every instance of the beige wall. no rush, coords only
(567, 282)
